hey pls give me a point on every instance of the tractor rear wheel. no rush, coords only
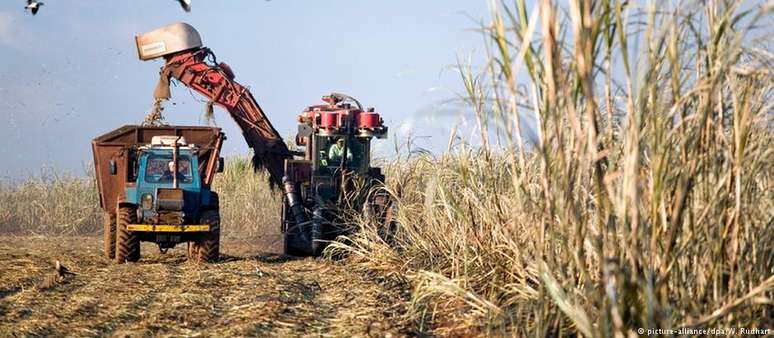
(207, 248)
(127, 242)
(214, 200)
(109, 236)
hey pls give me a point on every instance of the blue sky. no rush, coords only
(71, 72)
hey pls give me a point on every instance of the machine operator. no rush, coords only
(336, 151)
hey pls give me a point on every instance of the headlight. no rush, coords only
(147, 201)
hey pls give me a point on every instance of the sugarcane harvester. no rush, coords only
(330, 172)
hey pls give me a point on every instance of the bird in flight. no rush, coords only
(186, 4)
(34, 6)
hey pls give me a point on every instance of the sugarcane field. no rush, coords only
(460, 168)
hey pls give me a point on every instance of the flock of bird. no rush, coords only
(33, 6)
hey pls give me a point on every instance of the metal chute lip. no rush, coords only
(166, 40)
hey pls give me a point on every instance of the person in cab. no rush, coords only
(337, 151)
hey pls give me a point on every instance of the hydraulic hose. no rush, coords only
(294, 201)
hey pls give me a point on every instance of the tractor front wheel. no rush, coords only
(127, 242)
(207, 248)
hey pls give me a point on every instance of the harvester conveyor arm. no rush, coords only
(198, 70)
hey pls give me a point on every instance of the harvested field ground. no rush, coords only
(251, 292)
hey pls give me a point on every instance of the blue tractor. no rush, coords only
(154, 185)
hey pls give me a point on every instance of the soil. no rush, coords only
(251, 291)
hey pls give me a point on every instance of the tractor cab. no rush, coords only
(168, 184)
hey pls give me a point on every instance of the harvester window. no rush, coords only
(336, 151)
(331, 152)
(160, 169)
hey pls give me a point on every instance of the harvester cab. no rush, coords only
(335, 139)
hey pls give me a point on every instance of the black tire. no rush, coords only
(303, 241)
(127, 242)
(291, 244)
(214, 200)
(295, 245)
(382, 208)
(207, 248)
(109, 236)
(299, 241)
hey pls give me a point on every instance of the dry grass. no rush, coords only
(248, 207)
(249, 293)
(645, 202)
(50, 203)
(62, 204)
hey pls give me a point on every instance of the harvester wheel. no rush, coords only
(127, 242)
(295, 244)
(207, 249)
(382, 209)
(109, 245)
